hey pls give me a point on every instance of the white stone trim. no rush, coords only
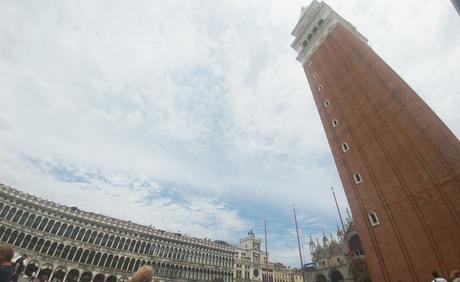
(309, 19)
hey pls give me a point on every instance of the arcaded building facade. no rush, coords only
(69, 244)
(398, 162)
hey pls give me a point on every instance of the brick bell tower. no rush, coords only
(398, 162)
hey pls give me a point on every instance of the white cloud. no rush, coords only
(194, 114)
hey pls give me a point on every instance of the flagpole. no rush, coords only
(266, 249)
(338, 210)
(298, 238)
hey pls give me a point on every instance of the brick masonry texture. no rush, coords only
(408, 159)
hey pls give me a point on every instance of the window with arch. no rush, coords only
(345, 147)
(315, 74)
(309, 63)
(373, 218)
(335, 123)
(304, 43)
(357, 178)
(320, 88)
(327, 103)
(320, 22)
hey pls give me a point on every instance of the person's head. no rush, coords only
(435, 274)
(143, 274)
(24, 256)
(6, 254)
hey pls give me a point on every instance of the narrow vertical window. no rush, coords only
(309, 64)
(320, 88)
(335, 123)
(373, 218)
(326, 103)
(345, 147)
(315, 74)
(357, 177)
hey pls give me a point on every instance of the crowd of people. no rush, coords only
(13, 271)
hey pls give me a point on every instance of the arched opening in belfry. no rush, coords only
(355, 245)
(73, 275)
(336, 276)
(321, 278)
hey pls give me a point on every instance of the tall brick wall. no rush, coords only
(408, 159)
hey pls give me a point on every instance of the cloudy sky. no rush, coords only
(194, 116)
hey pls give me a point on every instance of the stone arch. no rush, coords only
(59, 273)
(68, 231)
(121, 244)
(143, 248)
(59, 250)
(335, 275)
(84, 256)
(125, 264)
(86, 276)
(39, 245)
(99, 278)
(43, 224)
(5, 211)
(72, 252)
(32, 266)
(120, 263)
(49, 226)
(97, 258)
(77, 256)
(138, 263)
(131, 245)
(114, 262)
(52, 248)
(131, 264)
(37, 222)
(56, 227)
(13, 237)
(123, 279)
(98, 240)
(17, 216)
(109, 260)
(320, 278)
(104, 240)
(45, 246)
(45, 272)
(92, 237)
(62, 229)
(80, 234)
(75, 232)
(90, 258)
(65, 252)
(103, 260)
(20, 239)
(32, 243)
(137, 246)
(11, 213)
(73, 275)
(111, 278)
(87, 235)
(110, 242)
(116, 242)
